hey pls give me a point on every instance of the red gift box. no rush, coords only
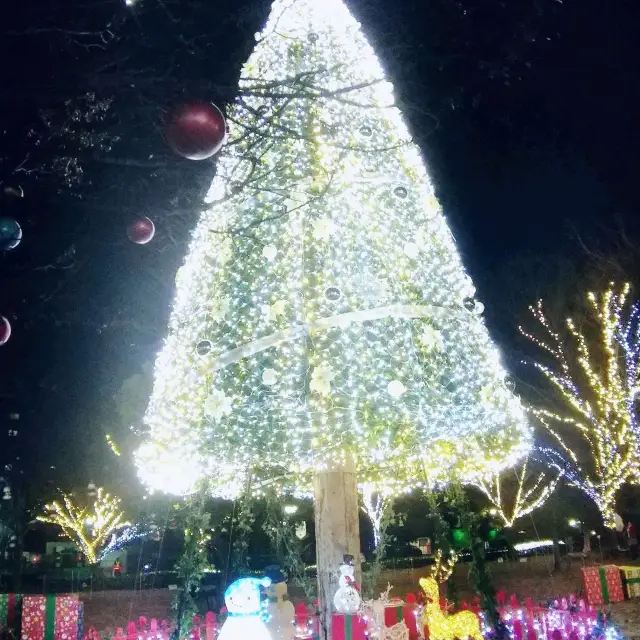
(393, 613)
(411, 613)
(51, 617)
(602, 584)
(345, 626)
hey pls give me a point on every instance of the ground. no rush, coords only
(108, 610)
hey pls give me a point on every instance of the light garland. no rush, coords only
(599, 388)
(89, 527)
(122, 538)
(323, 312)
(531, 492)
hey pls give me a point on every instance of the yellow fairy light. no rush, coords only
(598, 387)
(91, 527)
(112, 445)
(321, 262)
(464, 624)
(532, 491)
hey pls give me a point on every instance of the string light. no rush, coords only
(89, 527)
(532, 491)
(599, 388)
(113, 446)
(122, 538)
(324, 282)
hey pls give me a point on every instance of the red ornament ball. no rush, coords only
(5, 330)
(196, 130)
(141, 230)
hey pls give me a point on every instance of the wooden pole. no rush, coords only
(337, 534)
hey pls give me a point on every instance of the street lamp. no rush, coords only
(290, 509)
(574, 524)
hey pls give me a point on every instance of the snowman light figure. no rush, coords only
(245, 611)
(347, 598)
(282, 613)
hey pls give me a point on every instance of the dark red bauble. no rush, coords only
(5, 330)
(141, 230)
(196, 130)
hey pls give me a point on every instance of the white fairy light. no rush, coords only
(344, 260)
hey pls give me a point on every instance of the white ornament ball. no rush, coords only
(269, 377)
(411, 250)
(270, 252)
(478, 308)
(396, 388)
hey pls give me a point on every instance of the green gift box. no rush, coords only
(10, 610)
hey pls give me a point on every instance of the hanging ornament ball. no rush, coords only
(400, 192)
(196, 130)
(5, 330)
(510, 384)
(141, 231)
(469, 303)
(204, 347)
(332, 293)
(366, 131)
(269, 377)
(270, 252)
(478, 308)
(313, 37)
(396, 388)
(10, 234)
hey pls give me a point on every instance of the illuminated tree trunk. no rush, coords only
(337, 534)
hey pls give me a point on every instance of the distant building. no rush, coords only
(424, 544)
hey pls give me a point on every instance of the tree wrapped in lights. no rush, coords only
(323, 319)
(91, 527)
(596, 373)
(531, 491)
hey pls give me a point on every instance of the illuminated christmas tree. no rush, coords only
(92, 526)
(323, 318)
(596, 371)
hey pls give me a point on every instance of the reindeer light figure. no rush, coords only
(462, 625)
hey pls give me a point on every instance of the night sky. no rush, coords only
(527, 116)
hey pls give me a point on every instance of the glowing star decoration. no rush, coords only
(245, 608)
(90, 526)
(323, 229)
(270, 252)
(431, 339)
(220, 309)
(269, 377)
(321, 378)
(275, 310)
(411, 250)
(217, 405)
(340, 206)
(529, 491)
(487, 395)
(598, 387)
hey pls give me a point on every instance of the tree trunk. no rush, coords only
(337, 534)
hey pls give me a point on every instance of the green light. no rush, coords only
(460, 538)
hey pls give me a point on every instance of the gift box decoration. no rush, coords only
(631, 581)
(411, 613)
(345, 626)
(393, 613)
(10, 612)
(602, 584)
(52, 618)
